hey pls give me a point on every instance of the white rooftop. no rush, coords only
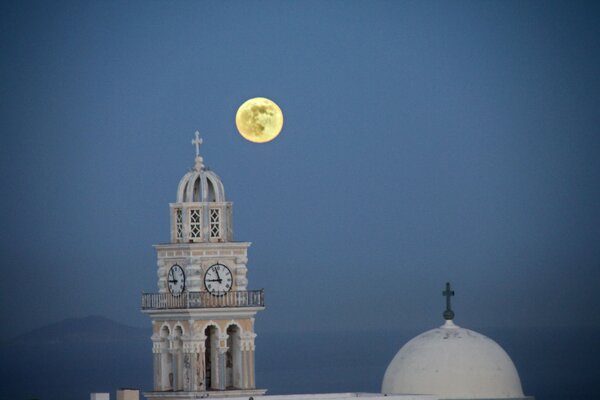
(453, 363)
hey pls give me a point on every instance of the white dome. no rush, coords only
(200, 185)
(453, 362)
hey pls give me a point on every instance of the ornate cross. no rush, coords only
(197, 142)
(448, 293)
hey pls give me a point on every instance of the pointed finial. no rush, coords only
(197, 142)
(448, 293)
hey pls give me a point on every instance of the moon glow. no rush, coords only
(259, 120)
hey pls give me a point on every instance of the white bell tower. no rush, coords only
(203, 313)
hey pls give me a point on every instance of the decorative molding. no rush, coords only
(157, 348)
(241, 260)
(180, 325)
(247, 345)
(202, 314)
(211, 323)
(165, 325)
(194, 347)
(170, 247)
(247, 341)
(223, 337)
(222, 350)
(236, 323)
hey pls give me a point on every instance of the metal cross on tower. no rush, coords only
(197, 142)
(448, 293)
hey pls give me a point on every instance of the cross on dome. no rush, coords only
(448, 293)
(197, 142)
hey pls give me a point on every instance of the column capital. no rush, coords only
(223, 336)
(247, 345)
(156, 338)
(157, 348)
(247, 335)
(194, 346)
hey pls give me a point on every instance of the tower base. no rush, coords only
(204, 395)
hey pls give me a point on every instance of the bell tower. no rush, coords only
(203, 313)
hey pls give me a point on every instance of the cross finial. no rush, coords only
(197, 142)
(448, 293)
(198, 166)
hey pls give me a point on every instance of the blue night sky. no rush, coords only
(423, 142)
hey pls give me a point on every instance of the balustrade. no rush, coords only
(243, 298)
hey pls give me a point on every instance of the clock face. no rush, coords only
(176, 280)
(218, 279)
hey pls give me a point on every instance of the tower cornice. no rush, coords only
(202, 245)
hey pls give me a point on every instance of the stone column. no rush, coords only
(174, 378)
(193, 365)
(214, 360)
(247, 345)
(245, 369)
(166, 366)
(221, 364)
(251, 363)
(251, 382)
(187, 381)
(200, 367)
(237, 356)
(176, 351)
(158, 346)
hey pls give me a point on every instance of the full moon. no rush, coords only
(259, 120)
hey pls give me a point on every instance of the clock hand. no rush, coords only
(172, 281)
(214, 280)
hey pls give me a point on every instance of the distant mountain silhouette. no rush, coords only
(70, 359)
(92, 329)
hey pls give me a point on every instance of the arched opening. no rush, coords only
(233, 359)
(210, 186)
(166, 376)
(211, 357)
(197, 191)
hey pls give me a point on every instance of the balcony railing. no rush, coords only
(242, 298)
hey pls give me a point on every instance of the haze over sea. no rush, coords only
(68, 360)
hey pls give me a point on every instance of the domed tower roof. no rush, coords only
(200, 213)
(454, 363)
(200, 185)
